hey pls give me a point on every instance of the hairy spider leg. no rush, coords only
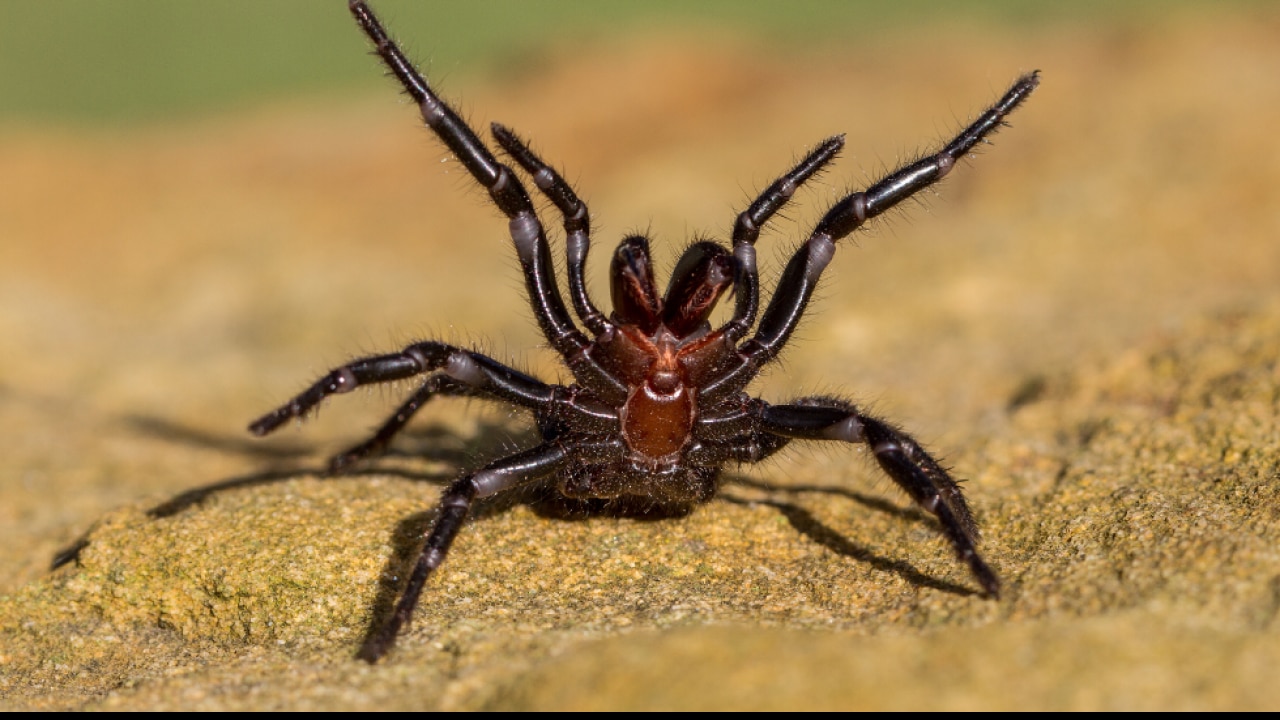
(750, 431)
(507, 193)
(746, 230)
(577, 224)
(902, 459)
(481, 374)
(801, 275)
(378, 442)
(750, 447)
(504, 474)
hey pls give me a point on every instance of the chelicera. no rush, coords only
(658, 404)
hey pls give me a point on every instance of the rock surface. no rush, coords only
(1086, 326)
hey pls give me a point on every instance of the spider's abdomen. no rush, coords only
(657, 419)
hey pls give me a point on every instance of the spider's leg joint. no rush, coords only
(821, 250)
(433, 113)
(500, 184)
(343, 380)
(544, 178)
(460, 366)
(525, 231)
(848, 430)
(416, 354)
(945, 163)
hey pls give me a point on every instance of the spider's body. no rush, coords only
(659, 404)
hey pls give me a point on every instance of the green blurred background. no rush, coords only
(90, 62)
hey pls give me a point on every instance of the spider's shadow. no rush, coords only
(811, 527)
(543, 499)
(280, 457)
(443, 445)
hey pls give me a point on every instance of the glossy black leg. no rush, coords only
(746, 448)
(504, 474)
(481, 374)
(378, 443)
(503, 187)
(901, 457)
(746, 230)
(577, 223)
(802, 273)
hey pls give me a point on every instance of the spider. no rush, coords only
(658, 403)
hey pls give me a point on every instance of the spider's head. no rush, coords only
(703, 274)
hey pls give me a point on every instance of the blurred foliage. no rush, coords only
(92, 62)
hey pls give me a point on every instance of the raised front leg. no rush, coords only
(802, 273)
(503, 186)
(577, 223)
(746, 230)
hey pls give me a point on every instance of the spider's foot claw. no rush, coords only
(268, 423)
(986, 577)
(344, 461)
(69, 554)
(340, 464)
(379, 643)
